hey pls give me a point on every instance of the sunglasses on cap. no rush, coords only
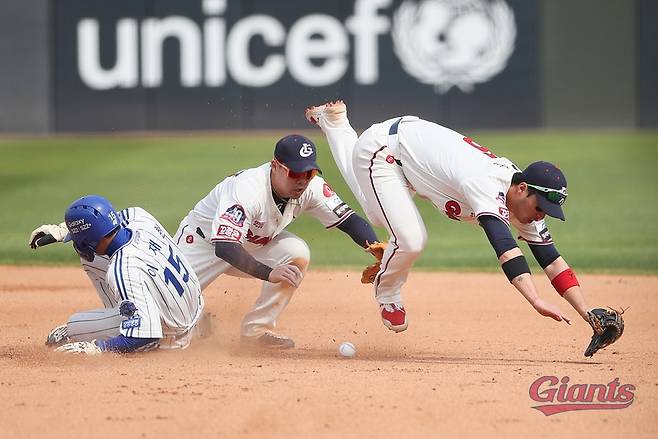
(552, 195)
(297, 175)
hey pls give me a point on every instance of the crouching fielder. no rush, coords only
(152, 298)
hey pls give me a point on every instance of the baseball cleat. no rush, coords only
(269, 340)
(332, 111)
(58, 336)
(394, 316)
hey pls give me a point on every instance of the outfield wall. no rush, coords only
(93, 65)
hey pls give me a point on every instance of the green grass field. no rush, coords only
(612, 211)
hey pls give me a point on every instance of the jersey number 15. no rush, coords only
(170, 277)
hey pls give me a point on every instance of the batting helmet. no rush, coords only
(90, 219)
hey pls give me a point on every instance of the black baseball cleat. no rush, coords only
(268, 340)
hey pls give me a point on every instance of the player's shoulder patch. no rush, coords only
(235, 214)
(327, 191)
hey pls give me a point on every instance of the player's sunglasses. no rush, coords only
(552, 195)
(297, 175)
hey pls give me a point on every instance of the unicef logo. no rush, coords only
(448, 43)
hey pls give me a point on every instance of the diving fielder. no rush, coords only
(151, 296)
(395, 159)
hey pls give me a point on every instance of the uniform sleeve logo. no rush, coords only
(341, 210)
(327, 191)
(448, 43)
(228, 233)
(235, 214)
(306, 150)
(132, 323)
(545, 235)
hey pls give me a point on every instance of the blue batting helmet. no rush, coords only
(90, 219)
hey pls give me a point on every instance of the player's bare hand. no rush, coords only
(288, 273)
(47, 234)
(549, 310)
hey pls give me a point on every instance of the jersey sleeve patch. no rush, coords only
(235, 214)
(327, 191)
(342, 209)
(227, 233)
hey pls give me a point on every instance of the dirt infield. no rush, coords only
(463, 368)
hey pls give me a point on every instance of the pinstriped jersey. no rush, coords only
(151, 273)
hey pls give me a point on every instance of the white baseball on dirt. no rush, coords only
(347, 349)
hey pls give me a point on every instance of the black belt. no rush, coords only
(200, 232)
(393, 131)
(394, 128)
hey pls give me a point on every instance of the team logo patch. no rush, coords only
(306, 150)
(189, 239)
(327, 191)
(504, 212)
(135, 322)
(390, 159)
(452, 209)
(341, 210)
(235, 214)
(545, 235)
(127, 309)
(228, 232)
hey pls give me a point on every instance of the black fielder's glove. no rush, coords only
(608, 326)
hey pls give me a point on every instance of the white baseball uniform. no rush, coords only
(241, 209)
(393, 160)
(151, 273)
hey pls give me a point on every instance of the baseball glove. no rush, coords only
(377, 250)
(608, 326)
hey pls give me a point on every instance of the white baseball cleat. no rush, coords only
(333, 111)
(394, 316)
(58, 336)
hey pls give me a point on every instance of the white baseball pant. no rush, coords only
(367, 163)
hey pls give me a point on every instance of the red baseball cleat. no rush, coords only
(394, 316)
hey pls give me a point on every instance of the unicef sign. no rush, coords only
(443, 43)
(207, 64)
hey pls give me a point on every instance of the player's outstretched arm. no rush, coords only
(359, 230)
(238, 257)
(119, 344)
(47, 234)
(516, 269)
(564, 281)
(515, 265)
(561, 276)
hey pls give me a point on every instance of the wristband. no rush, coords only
(565, 280)
(515, 267)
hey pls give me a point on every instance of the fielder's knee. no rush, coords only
(412, 243)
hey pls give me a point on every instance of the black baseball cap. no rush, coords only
(297, 152)
(550, 185)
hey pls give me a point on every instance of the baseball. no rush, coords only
(347, 349)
